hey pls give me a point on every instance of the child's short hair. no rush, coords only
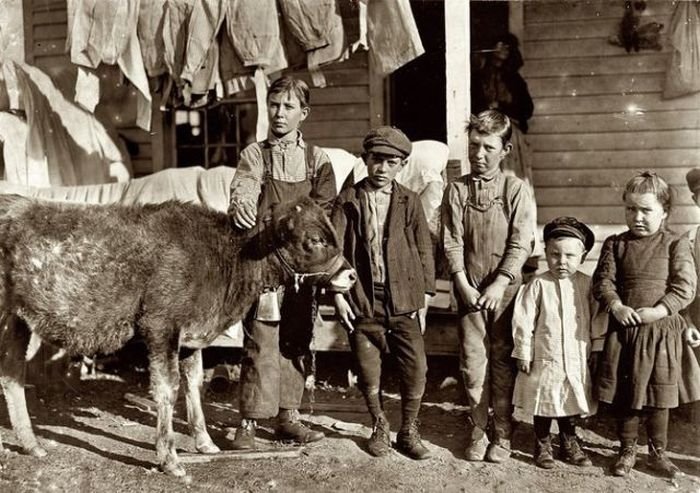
(650, 182)
(291, 85)
(492, 122)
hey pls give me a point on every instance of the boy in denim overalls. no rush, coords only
(281, 168)
(488, 232)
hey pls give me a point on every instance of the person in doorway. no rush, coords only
(552, 335)
(487, 235)
(386, 239)
(279, 328)
(645, 276)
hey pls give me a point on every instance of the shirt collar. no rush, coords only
(386, 190)
(485, 179)
(292, 137)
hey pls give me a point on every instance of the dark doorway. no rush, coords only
(417, 90)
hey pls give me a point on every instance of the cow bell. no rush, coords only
(268, 308)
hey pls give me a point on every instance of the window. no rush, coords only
(214, 135)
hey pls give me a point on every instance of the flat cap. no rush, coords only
(569, 227)
(693, 179)
(387, 140)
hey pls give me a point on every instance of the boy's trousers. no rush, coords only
(272, 368)
(488, 371)
(401, 336)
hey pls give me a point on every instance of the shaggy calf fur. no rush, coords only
(89, 278)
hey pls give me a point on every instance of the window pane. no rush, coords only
(223, 155)
(190, 156)
(189, 128)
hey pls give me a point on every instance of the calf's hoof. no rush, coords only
(36, 451)
(208, 448)
(173, 470)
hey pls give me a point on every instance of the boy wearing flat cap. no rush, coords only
(385, 237)
(552, 326)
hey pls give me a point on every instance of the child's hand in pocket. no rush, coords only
(523, 365)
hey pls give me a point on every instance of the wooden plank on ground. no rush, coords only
(634, 159)
(266, 453)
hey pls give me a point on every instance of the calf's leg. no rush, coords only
(14, 339)
(193, 370)
(165, 379)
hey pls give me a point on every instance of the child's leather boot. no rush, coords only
(409, 443)
(379, 443)
(626, 459)
(571, 451)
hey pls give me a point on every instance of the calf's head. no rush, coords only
(305, 244)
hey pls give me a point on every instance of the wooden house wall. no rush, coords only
(600, 115)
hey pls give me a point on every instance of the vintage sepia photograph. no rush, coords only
(349, 246)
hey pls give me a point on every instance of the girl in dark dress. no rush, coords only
(645, 277)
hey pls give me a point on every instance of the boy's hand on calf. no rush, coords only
(692, 337)
(344, 311)
(523, 365)
(244, 214)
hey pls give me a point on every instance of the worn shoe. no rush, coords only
(570, 451)
(289, 427)
(379, 443)
(245, 435)
(498, 451)
(476, 449)
(543, 453)
(408, 442)
(625, 460)
(659, 462)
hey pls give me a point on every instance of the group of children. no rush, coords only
(553, 346)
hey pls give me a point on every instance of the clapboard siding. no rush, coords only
(606, 122)
(629, 159)
(600, 115)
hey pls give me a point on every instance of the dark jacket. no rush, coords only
(408, 250)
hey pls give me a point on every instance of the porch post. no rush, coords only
(458, 83)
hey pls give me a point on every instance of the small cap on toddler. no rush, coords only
(387, 140)
(570, 227)
(693, 179)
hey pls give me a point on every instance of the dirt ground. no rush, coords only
(100, 441)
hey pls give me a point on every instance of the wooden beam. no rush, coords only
(516, 21)
(458, 79)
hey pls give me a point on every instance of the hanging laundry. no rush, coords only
(683, 73)
(150, 33)
(18, 169)
(105, 31)
(63, 139)
(392, 34)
